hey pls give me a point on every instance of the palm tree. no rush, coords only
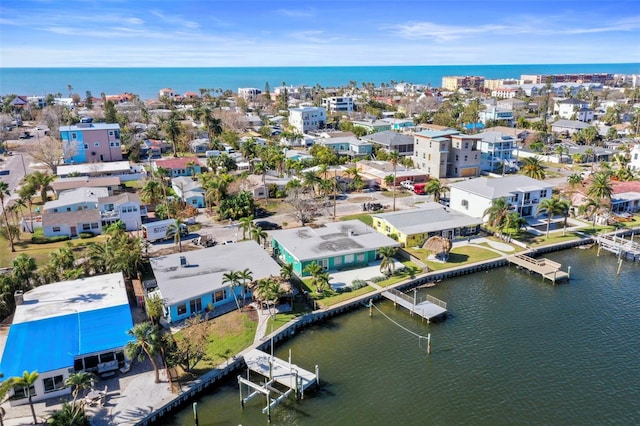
(314, 269)
(600, 186)
(286, 271)
(5, 387)
(258, 235)
(172, 129)
(550, 207)
(394, 157)
(245, 223)
(151, 193)
(574, 179)
(591, 207)
(513, 220)
(322, 282)
(78, 381)
(41, 182)
(387, 263)
(4, 191)
(567, 209)
(233, 279)
(26, 381)
(497, 211)
(175, 231)
(245, 275)
(532, 167)
(435, 188)
(147, 342)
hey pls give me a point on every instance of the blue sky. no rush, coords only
(208, 33)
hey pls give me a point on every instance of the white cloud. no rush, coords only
(297, 13)
(175, 20)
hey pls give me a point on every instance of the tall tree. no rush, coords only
(496, 212)
(147, 341)
(550, 207)
(173, 131)
(175, 231)
(233, 279)
(387, 262)
(4, 192)
(600, 186)
(532, 167)
(436, 188)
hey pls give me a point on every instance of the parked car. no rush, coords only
(266, 225)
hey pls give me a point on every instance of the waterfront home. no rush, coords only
(413, 227)
(189, 191)
(625, 198)
(389, 140)
(91, 142)
(179, 166)
(472, 197)
(66, 327)
(193, 282)
(334, 246)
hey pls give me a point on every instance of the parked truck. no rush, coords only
(155, 231)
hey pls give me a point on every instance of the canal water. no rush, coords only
(514, 350)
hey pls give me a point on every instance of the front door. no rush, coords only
(73, 231)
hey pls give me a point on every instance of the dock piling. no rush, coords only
(429, 344)
(195, 413)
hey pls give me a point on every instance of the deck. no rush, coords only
(619, 246)
(428, 308)
(548, 269)
(279, 370)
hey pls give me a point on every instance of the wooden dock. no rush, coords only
(428, 308)
(280, 371)
(548, 269)
(619, 246)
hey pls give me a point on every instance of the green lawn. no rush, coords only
(457, 257)
(40, 252)
(363, 217)
(341, 297)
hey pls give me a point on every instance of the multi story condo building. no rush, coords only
(460, 82)
(447, 153)
(91, 143)
(601, 78)
(305, 119)
(338, 103)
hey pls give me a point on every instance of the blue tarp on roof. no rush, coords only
(53, 343)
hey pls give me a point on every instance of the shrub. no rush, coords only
(86, 235)
(46, 240)
(356, 284)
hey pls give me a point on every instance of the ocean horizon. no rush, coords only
(146, 82)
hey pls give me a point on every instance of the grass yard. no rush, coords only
(457, 257)
(228, 335)
(364, 218)
(40, 252)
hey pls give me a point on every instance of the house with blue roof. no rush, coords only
(66, 327)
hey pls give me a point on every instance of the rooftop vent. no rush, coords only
(183, 261)
(19, 297)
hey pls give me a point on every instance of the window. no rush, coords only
(348, 258)
(182, 309)
(457, 157)
(86, 226)
(21, 391)
(56, 229)
(52, 384)
(466, 145)
(110, 132)
(466, 157)
(74, 135)
(543, 193)
(111, 144)
(86, 146)
(94, 226)
(195, 305)
(219, 295)
(429, 157)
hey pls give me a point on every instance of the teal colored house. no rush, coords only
(193, 282)
(340, 245)
(347, 145)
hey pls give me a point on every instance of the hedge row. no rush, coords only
(47, 240)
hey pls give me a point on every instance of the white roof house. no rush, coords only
(474, 196)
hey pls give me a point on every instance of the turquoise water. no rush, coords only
(515, 350)
(146, 82)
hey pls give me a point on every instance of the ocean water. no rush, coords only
(515, 350)
(146, 82)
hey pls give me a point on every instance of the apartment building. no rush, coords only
(338, 104)
(454, 83)
(91, 142)
(602, 78)
(305, 119)
(447, 153)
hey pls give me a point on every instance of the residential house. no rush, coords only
(402, 143)
(67, 327)
(155, 147)
(306, 119)
(634, 162)
(568, 126)
(338, 104)
(258, 189)
(400, 124)
(74, 211)
(121, 169)
(446, 153)
(496, 114)
(375, 172)
(249, 94)
(193, 282)
(472, 197)
(413, 227)
(373, 126)
(91, 143)
(505, 92)
(199, 146)
(179, 166)
(168, 92)
(511, 104)
(125, 207)
(625, 198)
(336, 245)
(349, 146)
(189, 191)
(496, 151)
(112, 183)
(573, 109)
